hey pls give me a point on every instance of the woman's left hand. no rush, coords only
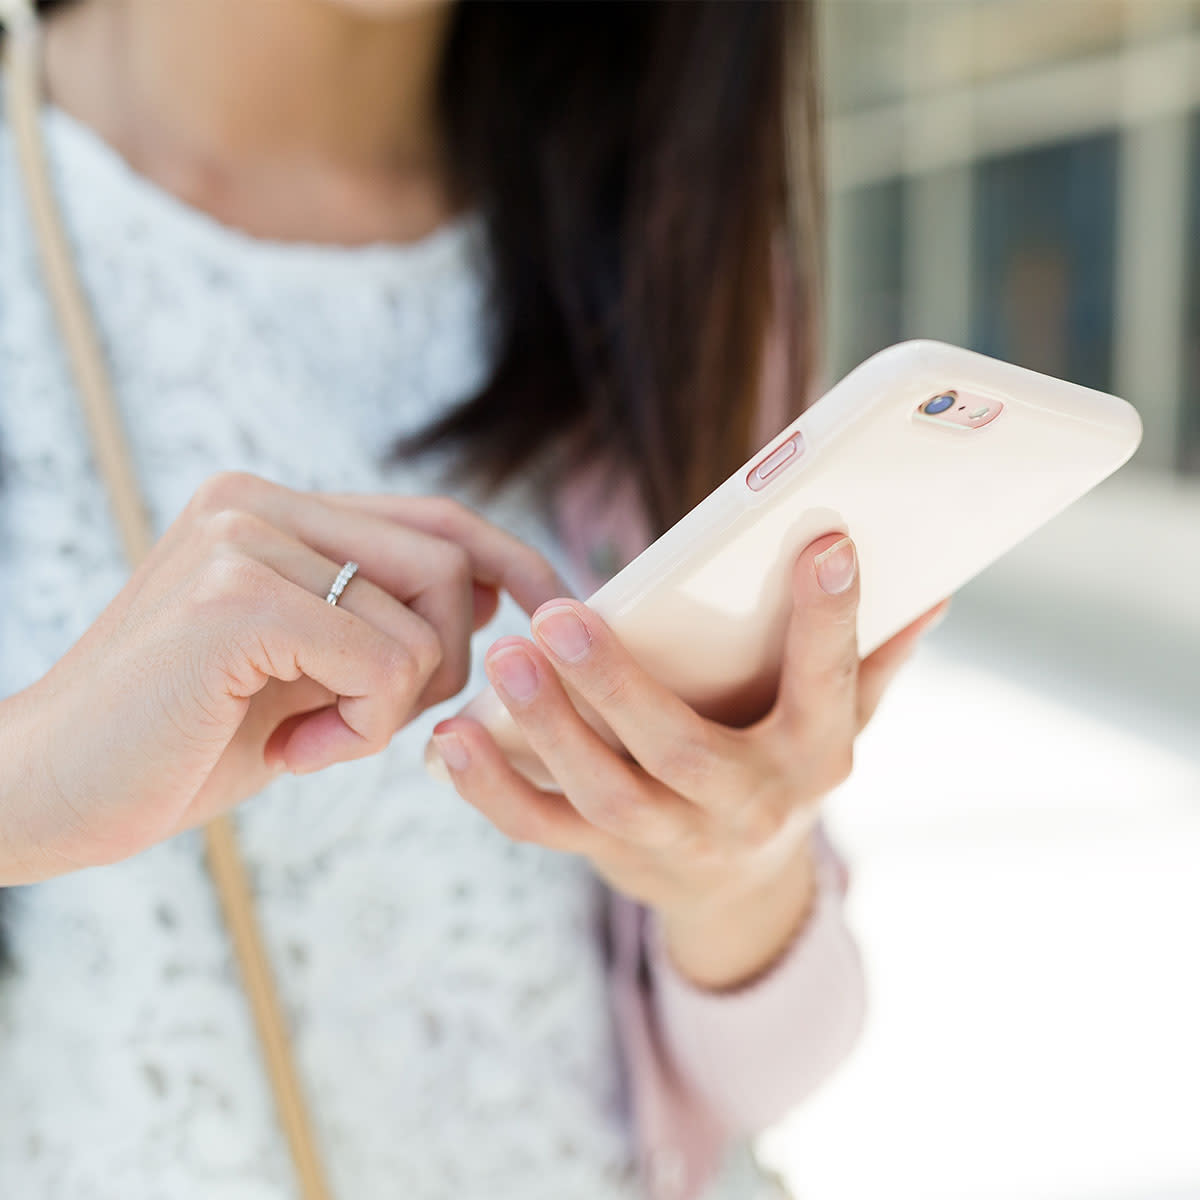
(706, 824)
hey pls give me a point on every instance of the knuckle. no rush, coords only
(447, 513)
(226, 489)
(761, 821)
(660, 832)
(396, 672)
(612, 690)
(231, 581)
(403, 668)
(705, 851)
(615, 810)
(521, 826)
(842, 672)
(539, 570)
(425, 649)
(686, 760)
(450, 562)
(232, 527)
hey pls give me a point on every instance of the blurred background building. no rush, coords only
(1023, 829)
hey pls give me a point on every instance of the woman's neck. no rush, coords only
(290, 119)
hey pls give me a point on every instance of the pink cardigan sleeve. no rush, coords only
(754, 1053)
(706, 1067)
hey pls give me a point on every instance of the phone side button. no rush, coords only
(779, 458)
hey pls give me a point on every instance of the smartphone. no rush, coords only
(935, 459)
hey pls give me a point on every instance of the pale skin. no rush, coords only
(708, 825)
(220, 663)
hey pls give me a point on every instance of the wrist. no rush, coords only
(26, 802)
(15, 788)
(727, 943)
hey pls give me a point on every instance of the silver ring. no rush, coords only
(339, 584)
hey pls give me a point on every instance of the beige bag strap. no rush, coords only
(88, 367)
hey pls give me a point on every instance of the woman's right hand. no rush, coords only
(220, 665)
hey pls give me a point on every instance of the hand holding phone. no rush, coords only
(938, 460)
(710, 826)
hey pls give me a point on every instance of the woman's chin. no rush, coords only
(386, 9)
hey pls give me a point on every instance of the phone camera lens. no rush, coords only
(939, 404)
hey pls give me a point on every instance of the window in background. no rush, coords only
(1042, 288)
(867, 311)
(1189, 433)
(862, 46)
(1004, 37)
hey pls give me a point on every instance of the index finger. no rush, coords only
(498, 558)
(665, 736)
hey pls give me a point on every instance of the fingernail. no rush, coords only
(563, 632)
(836, 567)
(513, 672)
(453, 750)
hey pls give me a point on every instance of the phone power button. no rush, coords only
(765, 471)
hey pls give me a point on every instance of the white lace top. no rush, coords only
(445, 986)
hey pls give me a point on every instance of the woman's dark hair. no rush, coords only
(650, 177)
(644, 169)
(650, 174)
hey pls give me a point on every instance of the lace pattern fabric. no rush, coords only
(446, 986)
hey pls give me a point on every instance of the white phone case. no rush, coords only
(929, 503)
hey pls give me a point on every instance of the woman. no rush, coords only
(354, 261)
